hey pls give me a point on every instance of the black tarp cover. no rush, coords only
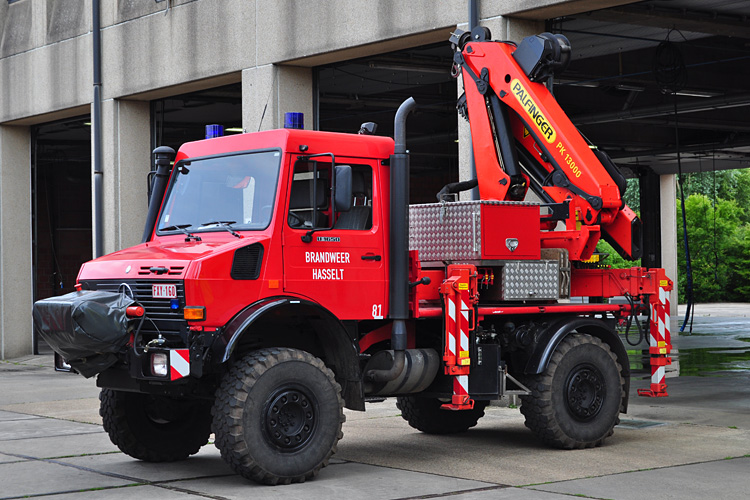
(86, 328)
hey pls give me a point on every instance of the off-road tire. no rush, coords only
(576, 401)
(277, 416)
(155, 428)
(424, 414)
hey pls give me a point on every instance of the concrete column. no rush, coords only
(126, 158)
(16, 277)
(270, 91)
(668, 196)
(502, 28)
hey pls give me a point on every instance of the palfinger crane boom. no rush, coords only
(523, 138)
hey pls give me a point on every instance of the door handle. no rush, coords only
(371, 257)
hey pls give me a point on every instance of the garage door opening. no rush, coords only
(183, 118)
(61, 205)
(371, 89)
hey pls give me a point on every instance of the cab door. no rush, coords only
(335, 259)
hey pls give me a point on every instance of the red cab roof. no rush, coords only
(290, 140)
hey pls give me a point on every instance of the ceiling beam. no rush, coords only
(702, 124)
(691, 148)
(709, 22)
(541, 10)
(702, 104)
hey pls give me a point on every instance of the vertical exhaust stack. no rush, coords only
(163, 156)
(399, 250)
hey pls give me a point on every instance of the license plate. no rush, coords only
(164, 291)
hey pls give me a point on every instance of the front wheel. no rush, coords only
(278, 415)
(575, 402)
(155, 428)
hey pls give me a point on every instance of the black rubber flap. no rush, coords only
(86, 328)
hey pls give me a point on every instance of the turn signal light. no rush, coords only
(194, 313)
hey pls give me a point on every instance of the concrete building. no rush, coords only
(270, 56)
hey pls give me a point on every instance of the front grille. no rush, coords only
(171, 271)
(161, 318)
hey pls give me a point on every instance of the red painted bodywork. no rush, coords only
(207, 264)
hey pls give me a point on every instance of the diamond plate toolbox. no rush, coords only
(446, 231)
(474, 230)
(530, 280)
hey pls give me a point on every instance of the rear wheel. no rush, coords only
(278, 416)
(425, 414)
(155, 428)
(576, 402)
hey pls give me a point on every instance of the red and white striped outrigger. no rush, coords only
(660, 343)
(459, 296)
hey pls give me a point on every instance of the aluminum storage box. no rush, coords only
(470, 231)
(538, 280)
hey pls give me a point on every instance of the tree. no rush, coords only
(719, 249)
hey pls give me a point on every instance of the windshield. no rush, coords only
(238, 189)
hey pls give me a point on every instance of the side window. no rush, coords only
(309, 199)
(359, 217)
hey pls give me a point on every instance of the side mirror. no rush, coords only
(342, 195)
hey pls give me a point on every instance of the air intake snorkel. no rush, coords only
(163, 156)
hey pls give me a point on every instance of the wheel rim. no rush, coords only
(585, 392)
(290, 418)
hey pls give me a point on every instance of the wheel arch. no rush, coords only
(301, 324)
(551, 337)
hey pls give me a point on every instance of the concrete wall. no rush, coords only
(668, 195)
(15, 242)
(126, 149)
(45, 45)
(270, 91)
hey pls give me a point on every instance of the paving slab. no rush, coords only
(84, 410)
(36, 477)
(341, 481)
(206, 463)
(509, 493)
(501, 450)
(722, 310)
(6, 416)
(717, 401)
(24, 383)
(42, 427)
(160, 492)
(60, 446)
(6, 459)
(725, 479)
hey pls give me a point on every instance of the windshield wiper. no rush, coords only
(225, 224)
(181, 228)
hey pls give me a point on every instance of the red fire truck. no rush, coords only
(283, 276)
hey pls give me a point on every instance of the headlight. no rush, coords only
(159, 364)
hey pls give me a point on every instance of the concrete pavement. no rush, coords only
(694, 444)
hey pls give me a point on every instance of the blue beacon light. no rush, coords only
(214, 131)
(174, 304)
(294, 120)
